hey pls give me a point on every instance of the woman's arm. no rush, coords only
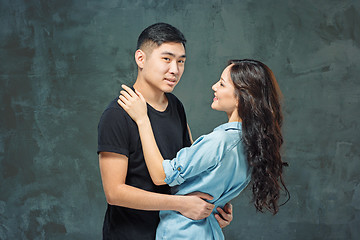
(152, 155)
(135, 105)
(204, 154)
(189, 131)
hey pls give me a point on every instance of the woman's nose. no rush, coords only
(214, 87)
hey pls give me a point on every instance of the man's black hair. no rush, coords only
(160, 33)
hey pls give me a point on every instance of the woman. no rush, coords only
(222, 163)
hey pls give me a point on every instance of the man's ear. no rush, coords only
(140, 57)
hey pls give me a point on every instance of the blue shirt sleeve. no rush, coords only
(203, 155)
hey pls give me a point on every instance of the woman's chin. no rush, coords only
(213, 106)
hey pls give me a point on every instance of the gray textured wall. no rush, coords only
(62, 61)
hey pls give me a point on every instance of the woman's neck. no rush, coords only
(234, 117)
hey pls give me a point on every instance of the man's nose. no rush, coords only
(174, 68)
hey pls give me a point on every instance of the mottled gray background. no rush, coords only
(62, 62)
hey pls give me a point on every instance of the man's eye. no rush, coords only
(181, 61)
(221, 84)
(167, 59)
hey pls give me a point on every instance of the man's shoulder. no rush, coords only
(114, 107)
(113, 112)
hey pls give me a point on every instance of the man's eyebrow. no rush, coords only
(172, 54)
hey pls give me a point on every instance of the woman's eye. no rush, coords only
(221, 84)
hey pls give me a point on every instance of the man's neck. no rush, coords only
(153, 96)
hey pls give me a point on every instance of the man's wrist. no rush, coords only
(178, 203)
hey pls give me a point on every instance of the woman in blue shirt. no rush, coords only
(222, 163)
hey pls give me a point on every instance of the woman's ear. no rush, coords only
(140, 58)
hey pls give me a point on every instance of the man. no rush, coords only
(133, 199)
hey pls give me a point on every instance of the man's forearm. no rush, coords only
(192, 206)
(132, 197)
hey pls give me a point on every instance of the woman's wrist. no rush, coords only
(143, 121)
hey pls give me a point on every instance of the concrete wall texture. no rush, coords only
(62, 62)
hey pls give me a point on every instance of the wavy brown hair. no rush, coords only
(259, 108)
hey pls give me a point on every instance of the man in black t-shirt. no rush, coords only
(133, 199)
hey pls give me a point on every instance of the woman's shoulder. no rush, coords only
(221, 137)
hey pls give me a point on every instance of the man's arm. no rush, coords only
(225, 215)
(113, 168)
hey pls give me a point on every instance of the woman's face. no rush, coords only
(224, 91)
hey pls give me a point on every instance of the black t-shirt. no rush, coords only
(118, 133)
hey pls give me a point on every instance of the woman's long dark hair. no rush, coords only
(260, 111)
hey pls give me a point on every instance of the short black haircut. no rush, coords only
(160, 33)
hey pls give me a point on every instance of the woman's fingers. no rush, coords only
(132, 102)
(140, 95)
(123, 105)
(130, 95)
(124, 100)
(125, 94)
(129, 91)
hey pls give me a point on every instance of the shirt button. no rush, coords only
(179, 168)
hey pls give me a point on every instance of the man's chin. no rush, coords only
(168, 89)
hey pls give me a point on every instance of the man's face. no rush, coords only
(164, 66)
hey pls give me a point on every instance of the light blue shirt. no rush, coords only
(215, 164)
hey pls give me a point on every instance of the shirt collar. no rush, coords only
(229, 125)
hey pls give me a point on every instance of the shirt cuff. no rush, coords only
(108, 148)
(172, 173)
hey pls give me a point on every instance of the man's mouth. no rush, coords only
(170, 81)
